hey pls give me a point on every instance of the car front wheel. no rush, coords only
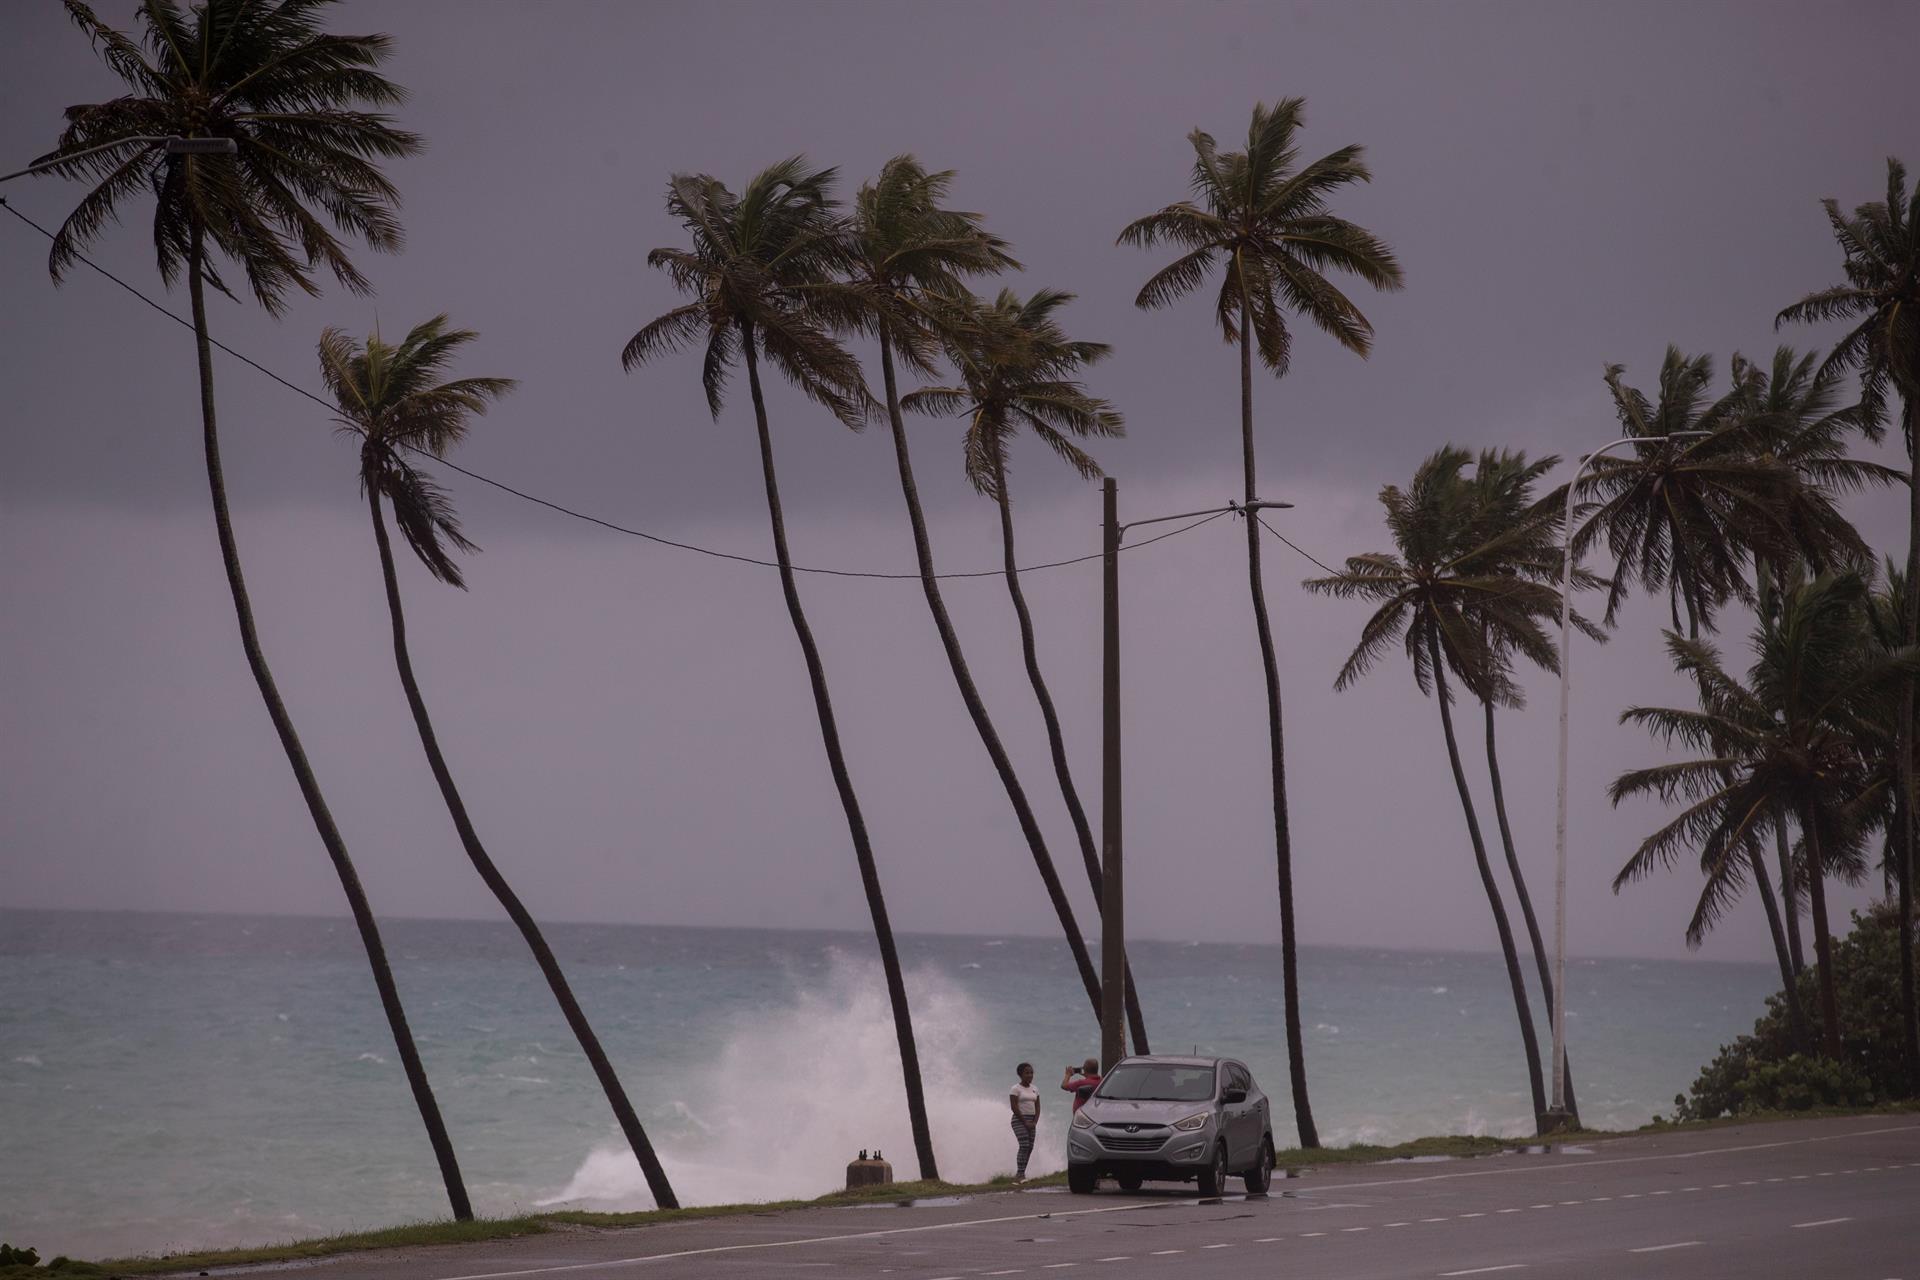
(1260, 1177)
(1213, 1178)
(1081, 1179)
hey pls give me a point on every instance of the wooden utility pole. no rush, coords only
(1113, 953)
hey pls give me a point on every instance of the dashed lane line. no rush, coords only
(1823, 1222)
(1481, 1271)
(1662, 1248)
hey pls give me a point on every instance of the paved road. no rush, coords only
(1819, 1200)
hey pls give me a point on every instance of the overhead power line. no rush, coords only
(565, 510)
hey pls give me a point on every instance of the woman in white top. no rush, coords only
(1024, 1101)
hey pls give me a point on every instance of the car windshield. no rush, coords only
(1158, 1082)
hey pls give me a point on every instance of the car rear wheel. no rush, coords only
(1213, 1178)
(1130, 1181)
(1260, 1177)
(1081, 1179)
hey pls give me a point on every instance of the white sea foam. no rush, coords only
(30, 1060)
(374, 1058)
(797, 1093)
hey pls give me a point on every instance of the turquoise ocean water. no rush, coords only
(171, 1081)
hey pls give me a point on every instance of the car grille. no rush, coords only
(1120, 1140)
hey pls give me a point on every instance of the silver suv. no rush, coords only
(1173, 1120)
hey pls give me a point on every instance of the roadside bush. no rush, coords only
(1773, 1070)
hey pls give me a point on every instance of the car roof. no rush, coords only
(1172, 1060)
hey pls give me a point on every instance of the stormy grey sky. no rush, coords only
(1565, 185)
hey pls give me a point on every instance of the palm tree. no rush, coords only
(910, 250)
(1684, 516)
(1797, 417)
(1265, 222)
(390, 398)
(301, 107)
(1792, 736)
(1880, 248)
(750, 256)
(1016, 366)
(1449, 595)
(1529, 536)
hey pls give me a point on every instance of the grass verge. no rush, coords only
(443, 1232)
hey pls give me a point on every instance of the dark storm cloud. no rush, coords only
(1565, 185)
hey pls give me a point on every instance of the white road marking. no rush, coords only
(1265, 1240)
(1667, 1192)
(1599, 1199)
(1720, 1186)
(1510, 1211)
(1012, 1271)
(1573, 1202)
(785, 1244)
(1539, 1206)
(1433, 1219)
(1308, 1235)
(1125, 1257)
(1631, 1195)
(1823, 1222)
(1480, 1271)
(1473, 1215)
(1347, 1231)
(1662, 1248)
(1583, 1163)
(1396, 1224)
(1059, 1266)
(1161, 1253)
(1689, 1188)
(1216, 1246)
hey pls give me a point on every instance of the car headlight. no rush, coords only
(1080, 1120)
(1193, 1122)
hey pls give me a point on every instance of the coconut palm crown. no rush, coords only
(1267, 222)
(754, 266)
(1017, 367)
(391, 399)
(1881, 248)
(292, 97)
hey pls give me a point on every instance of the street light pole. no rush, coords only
(174, 146)
(1113, 953)
(1113, 948)
(1557, 1115)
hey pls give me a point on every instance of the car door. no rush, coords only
(1234, 1118)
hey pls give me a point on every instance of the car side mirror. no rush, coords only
(1233, 1095)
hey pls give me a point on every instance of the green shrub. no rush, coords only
(1775, 1070)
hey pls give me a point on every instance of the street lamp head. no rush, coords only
(202, 147)
(1259, 505)
(1688, 435)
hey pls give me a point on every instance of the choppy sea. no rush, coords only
(175, 1081)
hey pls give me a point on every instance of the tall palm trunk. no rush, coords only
(1789, 894)
(1276, 745)
(1822, 938)
(1910, 826)
(303, 771)
(1782, 839)
(1056, 741)
(1526, 900)
(523, 920)
(1789, 979)
(837, 764)
(1505, 930)
(970, 694)
(1903, 872)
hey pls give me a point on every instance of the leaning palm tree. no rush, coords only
(750, 259)
(1792, 736)
(301, 107)
(910, 251)
(1266, 224)
(1527, 537)
(1016, 366)
(391, 399)
(1450, 598)
(1880, 248)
